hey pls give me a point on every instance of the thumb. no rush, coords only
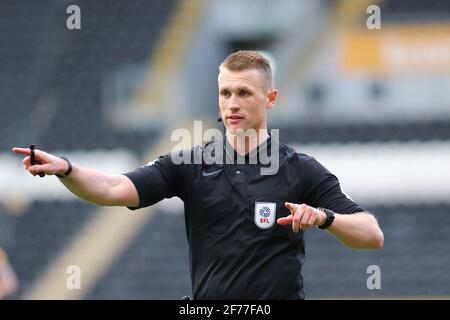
(285, 220)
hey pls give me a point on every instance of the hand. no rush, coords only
(302, 216)
(48, 164)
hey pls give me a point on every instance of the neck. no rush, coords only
(243, 143)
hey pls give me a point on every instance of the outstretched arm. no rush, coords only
(359, 230)
(90, 185)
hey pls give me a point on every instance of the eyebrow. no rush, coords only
(242, 87)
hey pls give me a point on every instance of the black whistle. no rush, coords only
(33, 160)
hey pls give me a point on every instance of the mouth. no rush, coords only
(235, 117)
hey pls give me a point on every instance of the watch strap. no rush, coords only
(329, 220)
(68, 171)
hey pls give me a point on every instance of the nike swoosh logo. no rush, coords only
(205, 174)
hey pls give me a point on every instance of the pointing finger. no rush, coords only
(25, 151)
(291, 206)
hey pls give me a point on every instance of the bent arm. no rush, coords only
(358, 230)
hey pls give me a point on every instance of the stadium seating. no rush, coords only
(39, 234)
(54, 76)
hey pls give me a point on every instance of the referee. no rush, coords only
(245, 229)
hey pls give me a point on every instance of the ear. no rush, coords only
(272, 95)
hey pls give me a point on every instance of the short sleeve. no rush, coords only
(322, 188)
(157, 180)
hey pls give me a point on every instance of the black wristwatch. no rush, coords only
(329, 220)
(68, 171)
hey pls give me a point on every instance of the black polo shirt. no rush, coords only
(237, 252)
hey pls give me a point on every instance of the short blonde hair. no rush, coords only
(246, 60)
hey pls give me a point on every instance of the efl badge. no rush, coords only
(265, 213)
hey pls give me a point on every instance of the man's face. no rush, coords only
(244, 99)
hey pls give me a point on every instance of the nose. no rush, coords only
(233, 104)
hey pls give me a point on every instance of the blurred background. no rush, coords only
(372, 105)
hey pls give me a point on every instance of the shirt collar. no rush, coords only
(250, 157)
